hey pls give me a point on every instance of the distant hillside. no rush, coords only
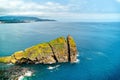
(20, 19)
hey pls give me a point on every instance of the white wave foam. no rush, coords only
(101, 54)
(21, 78)
(10, 64)
(53, 67)
(77, 61)
(27, 74)
(78, 54)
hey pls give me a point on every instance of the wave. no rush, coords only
(78, 55)
(101, 54)
(10, 64)
(77, 61)
(53, 67)
(88, 58)
(27, 74)
(21, 78)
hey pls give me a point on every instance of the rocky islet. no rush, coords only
(56, 51)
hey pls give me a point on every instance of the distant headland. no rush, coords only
(21, 19)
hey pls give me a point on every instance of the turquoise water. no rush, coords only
(98, 47)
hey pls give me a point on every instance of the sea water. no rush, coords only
(98, 47)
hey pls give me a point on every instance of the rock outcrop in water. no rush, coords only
(56, 51)
(15, 73)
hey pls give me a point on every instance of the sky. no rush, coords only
(64, 10)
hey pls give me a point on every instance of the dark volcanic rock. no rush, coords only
(13, 73)
(24, 61)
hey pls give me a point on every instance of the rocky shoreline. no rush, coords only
(15, 73)
(56, 51)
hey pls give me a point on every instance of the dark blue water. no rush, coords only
(98, 46)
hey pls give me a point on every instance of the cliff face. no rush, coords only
(56, 51)
(72, 49)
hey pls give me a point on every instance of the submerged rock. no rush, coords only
(56, 51)
(14, 73)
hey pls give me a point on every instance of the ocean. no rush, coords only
(98, 45)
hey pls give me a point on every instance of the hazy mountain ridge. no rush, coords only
(21, 19)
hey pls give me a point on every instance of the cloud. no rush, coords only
(22, 7)
(72, 11)
(90, 17)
